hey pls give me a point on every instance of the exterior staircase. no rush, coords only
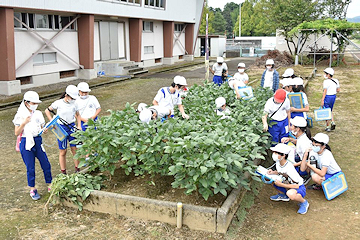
(119, 68)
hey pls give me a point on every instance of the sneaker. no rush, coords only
(333, 125)
(328, 129)
(49, 189)
(280, 197)
(314, 187)
(34, 194)
(303, 207)
(306, 179)
(77, 169)
(63, 171)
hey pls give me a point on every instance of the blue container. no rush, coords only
(334, 186)
(322, 114)
(309, 122)
(56, 129)
(246, 93)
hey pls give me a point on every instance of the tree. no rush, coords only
(335, 9)
(230, 19)
(219, 23)
(202, 29)
(287, 14)
(254, 21)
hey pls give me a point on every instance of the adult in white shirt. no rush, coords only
(326, 163)
(293, 186)
(241, 75)
(270, 77)
(88, 105)
(218, 69)
(28, 123)
(277, 108)
(331, 87)
(168, 97)
(67, 109)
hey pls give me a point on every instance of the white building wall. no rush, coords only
(155, 39)
(324, 42)
(222, 46)
(197, 51)
(179, 44)
(96, 42)
(26, 44)
(269, 43)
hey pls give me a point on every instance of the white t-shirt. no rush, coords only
(241, 77)
(167, 99)
(302, 144)
(289, 169)
(161, 111)
(65, 110)
(271, 106)
(326, 159)
(331, 86)
(87, 107)
(235, 83)
(34, 126)
(268, 79)
(224, 113)
(218, 69)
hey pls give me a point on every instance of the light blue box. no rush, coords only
(322, 114)
(334, 186)
(246, 93)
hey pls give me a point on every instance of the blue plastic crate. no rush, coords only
(246, 93)
(56, 129)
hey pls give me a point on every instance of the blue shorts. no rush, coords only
(301, 190)
(63, 144)
(217, 80)
(279, 130)
(329, 101)
(297, 114)
(84, 124)
(327, 176)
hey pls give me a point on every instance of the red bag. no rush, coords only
(18, 140)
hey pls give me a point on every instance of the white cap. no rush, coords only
(220, 101)
(298, 121)
(241, 65)
(220, 59)
(281, 148)
(322, 138)
(297, 81)
(141, 107)
(145, 115)
(84, 87)
(72, 91)
(32, 96)
(285, 82)
(269, 62)
(288, 72)
(180, 80)
(329, 71)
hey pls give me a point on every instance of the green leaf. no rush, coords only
(203, 169)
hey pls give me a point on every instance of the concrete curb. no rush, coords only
(208, 219)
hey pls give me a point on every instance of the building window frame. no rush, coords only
(179, 27)
(148, 27)
(155, 4)
(45, 58)
(148, 49)
(53, 22)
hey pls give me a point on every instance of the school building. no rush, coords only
(47, 41)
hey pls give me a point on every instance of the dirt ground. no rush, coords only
(22, 218)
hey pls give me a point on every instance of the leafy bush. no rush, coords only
(203, 153)
(75, 187)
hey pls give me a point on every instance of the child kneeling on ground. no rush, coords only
(292, 186)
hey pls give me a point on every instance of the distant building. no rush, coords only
(216, 44)
(44, 42)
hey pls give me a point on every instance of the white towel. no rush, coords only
(21, 114)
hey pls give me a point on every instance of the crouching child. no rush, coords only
(292, 187)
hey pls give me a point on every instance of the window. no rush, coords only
(44, 58)
(135, 2)
(178, 27)
(43, 21)
(155, 3)
(148, 26)
(148, 49)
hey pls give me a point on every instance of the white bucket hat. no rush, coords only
(220, 101)
(281, 148)
(145, 115)
(298, 121)
(322, 138)
(180, 80)
(288, 72)
(220, 59)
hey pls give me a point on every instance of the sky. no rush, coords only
(353, 9)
